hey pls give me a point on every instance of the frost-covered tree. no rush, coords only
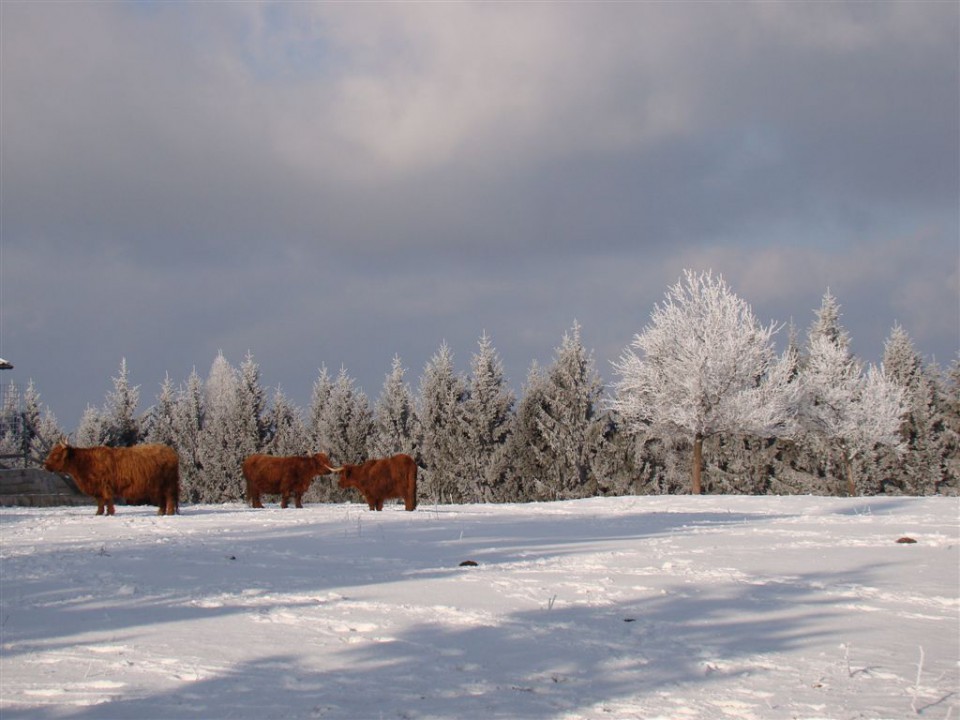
(704, 365)
(525, 477)
(827, 323)
(919, 469)
(948, 406)
(220, 450)
(570, 419)
(345, 423)
(159, 422)
(394, 416)
(848, 409)
(188, 424)
(92, 430)
(442, 394)
(286, 432)
(120, 411)
(320, 397)
(487, 416)
(249, 423)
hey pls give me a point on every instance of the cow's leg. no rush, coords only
(284, 499)
(379, 504)
(298, 499)
(100, 504)
(110, 508)
(255, 499)
(410, 503)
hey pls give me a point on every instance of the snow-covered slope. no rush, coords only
(638, 607)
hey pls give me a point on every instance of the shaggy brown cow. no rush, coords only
(140, 474)
(284, 476)
(378, 480)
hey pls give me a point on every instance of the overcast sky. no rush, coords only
(335, 184)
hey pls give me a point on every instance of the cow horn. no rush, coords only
(334, 470)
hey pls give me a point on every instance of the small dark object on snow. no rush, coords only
(468, 563)
(906, 541)
(629, 619)
(232, 557)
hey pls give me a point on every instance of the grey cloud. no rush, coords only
(336, 183)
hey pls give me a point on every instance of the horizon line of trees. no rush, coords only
(702, 404)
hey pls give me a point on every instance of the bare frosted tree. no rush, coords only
(704, 365)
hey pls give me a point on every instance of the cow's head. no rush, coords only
(58, 457)
(345, 473)
(322, 460)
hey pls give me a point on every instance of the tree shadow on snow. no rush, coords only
(536, 664)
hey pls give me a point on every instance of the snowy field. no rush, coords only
(639, 607)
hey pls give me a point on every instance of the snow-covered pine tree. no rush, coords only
(92, 430)
(346, 422)
(41, 431)
(188, 423)
(221, 479)
(286, 432)
(442, 394)
(848, 410)
(394, 416)
(919, 469)
(525, 476)
(948, 412)
(704, 365)
(159, 423)
(487, 418)
(121, 426)
(249, 422)
(320, 397)
(570, 420)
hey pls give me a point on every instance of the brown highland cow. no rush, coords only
(140, 474)
(283, 476)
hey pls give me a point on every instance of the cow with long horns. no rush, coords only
(379, 480)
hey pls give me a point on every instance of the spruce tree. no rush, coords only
(570, 419)
(285, 429)
(119, 416)
(487, 417)
(189, 419)
(394, 416)
(220, 451)
(346, 422)
(918, 470)
(159, 423)
(442, 394)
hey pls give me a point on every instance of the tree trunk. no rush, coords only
(848, 471)
(695, 486)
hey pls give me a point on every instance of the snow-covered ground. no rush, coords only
(637, 607)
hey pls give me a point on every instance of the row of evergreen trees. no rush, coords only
(477, 442)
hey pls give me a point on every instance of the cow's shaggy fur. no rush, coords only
(283, 476)
(143, 474)
(379, 480)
